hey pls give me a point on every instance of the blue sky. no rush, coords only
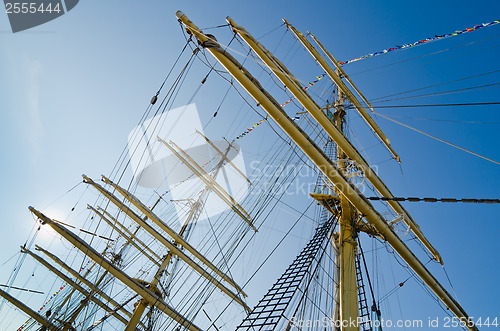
(72, 90)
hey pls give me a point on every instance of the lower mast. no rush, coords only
(347, 245)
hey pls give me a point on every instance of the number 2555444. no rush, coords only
(31, 8)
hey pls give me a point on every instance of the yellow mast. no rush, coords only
(207, 180)
(377, 183)
(334, 239)
(73, 284)
(292, 84)
(192, 217)
(125, 236)
(133, 284)
(324, 164)
(341, 70)
(349, 309)
(83, 280)
(28, 311)
(347, 245)
(173, 248)
(224, 157)
(129, 235)
(336, 78)
(143, 304)
(84, 302)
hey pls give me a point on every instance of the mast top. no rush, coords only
(345, 90)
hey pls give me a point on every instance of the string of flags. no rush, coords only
(247, 131)
(51, 298)
(64, 285)
(419, 42)
(296, 118)
(318, 78)
(188, 178)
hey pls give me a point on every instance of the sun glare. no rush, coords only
(46, 233)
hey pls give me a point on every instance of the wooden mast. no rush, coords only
(126, 234)
(322, 162)
(133, 284)
(167, 243)
(347, 243)
(292, 84)
(28, 311)
(192, 217)
(207, 180)
(224, 156)
(78, 287)
(348, 288)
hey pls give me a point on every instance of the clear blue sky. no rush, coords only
(72, 89)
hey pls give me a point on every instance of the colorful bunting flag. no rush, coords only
(436, 37)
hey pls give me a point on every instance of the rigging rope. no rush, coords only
(435, 85)
(441, 105)
(21, 289)
(436, 138)
(493, 85)
(441, 120)
(411, 199)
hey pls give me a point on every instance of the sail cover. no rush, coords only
(155, 166)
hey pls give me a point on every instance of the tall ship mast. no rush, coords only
(175, 245)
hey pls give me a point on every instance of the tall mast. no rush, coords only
(322, 162)
(166, 242)
(224, 156)
(94, 287)
(192, 217)
(148, 291)
(336, 78)
(347, 243)
(292, 84)
(28, 311)
(88, 294)
(209, 181)
(348, 288)
(136, 286)
(134, 241)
